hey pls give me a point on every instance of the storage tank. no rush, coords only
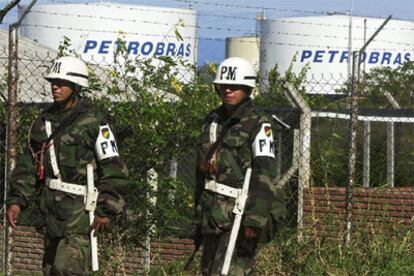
(323, 43)
(94, 30)
(247, 47)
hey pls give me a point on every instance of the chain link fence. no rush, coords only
(159, 143)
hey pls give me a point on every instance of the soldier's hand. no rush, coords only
(209, 166)
(251, 232)
(99, 224)
(213, 167)
(13, 212)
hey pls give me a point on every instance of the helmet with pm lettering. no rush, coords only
(71, 69)
(235, 71)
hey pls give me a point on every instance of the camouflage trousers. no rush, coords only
(214, 251)
(67, 256)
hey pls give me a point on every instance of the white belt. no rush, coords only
(57, 184)
(221, 189)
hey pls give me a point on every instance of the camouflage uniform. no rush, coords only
(67, 246)
(214, 211)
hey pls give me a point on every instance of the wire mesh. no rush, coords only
(313, 151)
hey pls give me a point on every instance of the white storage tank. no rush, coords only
(247, 47)
(94, 30)
(323, 43)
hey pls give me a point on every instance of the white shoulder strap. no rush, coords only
(213, 137)
(213, 132)
(53, 159)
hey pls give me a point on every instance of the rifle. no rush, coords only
(238, 210)
(198, 241)
(90, 205)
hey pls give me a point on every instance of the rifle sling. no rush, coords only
(62, 125)
(218, 142)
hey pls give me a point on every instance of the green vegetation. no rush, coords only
(383, 252)
(159, 115)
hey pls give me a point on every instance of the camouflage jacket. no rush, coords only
(240, 149)
(75, 146)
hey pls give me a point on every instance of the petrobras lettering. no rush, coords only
(333, 56)
(141, 48)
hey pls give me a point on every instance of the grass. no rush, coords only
(387, 251)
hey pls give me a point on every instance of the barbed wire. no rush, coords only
(165, 10)
(100, 31)
(134, 7)
(304, 11)
(227, 6)
(290, 21)
(286, 20)
(214, 28)
(327, 13)
(142, 21)
(262, 8)
(201, 38)
(240, 17)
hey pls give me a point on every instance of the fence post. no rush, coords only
(356, 62)
(11, 140)
(390, 153)
(352, 149)
(279, 153)
(391, 143)
(367, 154)
(11, 131)
(304, 149)
(173, 169)
(152, 180)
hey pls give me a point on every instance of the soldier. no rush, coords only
(235, 137)
(62, 141)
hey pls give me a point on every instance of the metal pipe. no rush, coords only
(356, 62)
(11, 130)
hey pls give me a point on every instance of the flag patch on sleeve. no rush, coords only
(105, 132)
(268, 131)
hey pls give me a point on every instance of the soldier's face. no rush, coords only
(232, 95)
(61, 90)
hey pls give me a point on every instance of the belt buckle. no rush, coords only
(55, 184)
(49, 183)
(210, 184)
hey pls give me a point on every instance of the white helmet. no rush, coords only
(237, 71)
(71, 69)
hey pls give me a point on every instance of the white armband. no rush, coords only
(263, 144)
(105, 145)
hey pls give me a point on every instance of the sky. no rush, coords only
(232, 18)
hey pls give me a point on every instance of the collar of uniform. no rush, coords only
(242, 108)
(52, 113)
(238, 114)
